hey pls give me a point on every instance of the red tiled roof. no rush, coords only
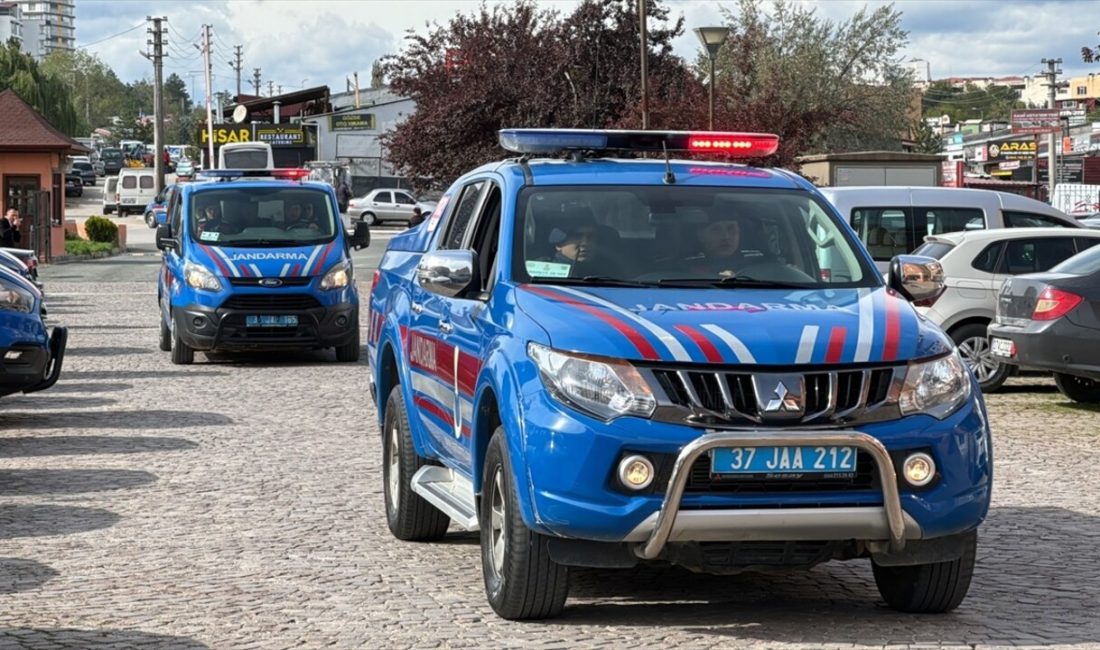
(23, 129)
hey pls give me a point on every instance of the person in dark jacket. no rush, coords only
(9, 229)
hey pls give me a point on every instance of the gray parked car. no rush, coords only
(383, 204)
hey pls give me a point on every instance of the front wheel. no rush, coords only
(182, 354)
(165, 336)
(369, 219)
(522, 582)
(349, 353)
(974, 348)
(1078, 389)
(928, 588)
(150, 220)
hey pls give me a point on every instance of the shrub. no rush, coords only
(81, 247)
(101, 229)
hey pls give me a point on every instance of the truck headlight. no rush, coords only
(605, 388)
(198, 277)
(15, 298)
(935, 387)
(337, 277)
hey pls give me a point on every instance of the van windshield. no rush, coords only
(684, 236)
(261, 216)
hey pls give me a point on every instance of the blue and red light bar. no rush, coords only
(550, 141)
(283, 173)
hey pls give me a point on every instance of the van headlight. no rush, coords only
(605, 388)
(15, 298)
(337, 277)
(936, 387)
(198, 277)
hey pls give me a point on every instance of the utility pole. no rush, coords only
(256, 80)
(645, 64)
(1052, 89)
(236, 65)
(270, 88)
(157, 57)
(211, 163)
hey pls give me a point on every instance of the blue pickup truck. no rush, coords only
(600, 361)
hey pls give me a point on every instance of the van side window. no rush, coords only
(1030, 220)
(884, 231)
(937, 221)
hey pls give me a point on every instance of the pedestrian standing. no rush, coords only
(9, 229)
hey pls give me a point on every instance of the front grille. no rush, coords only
(716, 398)
(272, 302)
(701, 481)
(255, 282)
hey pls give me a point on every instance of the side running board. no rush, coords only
(449, 491)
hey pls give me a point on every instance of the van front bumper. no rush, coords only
(33, 367)
(206, 328)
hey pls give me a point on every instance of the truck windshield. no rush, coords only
(684, 236)
(245, 159)
(111, 155)
(261, 216)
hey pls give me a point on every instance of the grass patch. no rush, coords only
(82, 247)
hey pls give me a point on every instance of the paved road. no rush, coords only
(237, 503)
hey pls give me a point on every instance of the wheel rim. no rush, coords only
(394, 467)
(976, 353)
(497, 525)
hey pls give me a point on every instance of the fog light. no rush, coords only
(919, 469)
(199, 322)
(13, 355)
(636, 472)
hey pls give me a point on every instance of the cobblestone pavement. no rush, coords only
(237, 504)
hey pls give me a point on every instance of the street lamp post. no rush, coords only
(712, 38)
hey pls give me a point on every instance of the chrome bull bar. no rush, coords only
(670, 507)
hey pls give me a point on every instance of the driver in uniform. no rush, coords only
(720, 242)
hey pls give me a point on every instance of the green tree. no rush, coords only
(820, 85)
(970, 102)
(96, 92)
(176, 98)
(926, 139)
(46, 93)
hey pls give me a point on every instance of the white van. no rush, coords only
(246, 155)
(136, 188)
(110, 194)
(895, 220)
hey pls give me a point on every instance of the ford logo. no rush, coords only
(271, 282)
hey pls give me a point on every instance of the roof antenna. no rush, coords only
(670, 178)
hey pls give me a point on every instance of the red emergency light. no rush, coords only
(290, 174)
(747, 145)
(552, 141)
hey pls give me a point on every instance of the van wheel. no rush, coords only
(150, 220)
(349, 353)
(369, 219)
(408, 515)
(1078, 389)
(165, 336)
(927, 588)
(182, 354)
(974, 347)
(522, 582)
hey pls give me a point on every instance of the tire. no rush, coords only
(182, 354)
(1078, 389)
(521, 581)
(165, 336)
(974, 347)
(107, 210)
(150, 220)
(408, 515)
(349, 353)
(927, 588)
(369, 218)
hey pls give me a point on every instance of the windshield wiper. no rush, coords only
(594, 280)
(734, 281)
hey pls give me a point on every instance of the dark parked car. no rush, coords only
(86, 171)
(1051, 321)
(74, 184)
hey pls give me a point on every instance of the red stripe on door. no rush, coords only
(702, 342)
(836, 344)
(434, 409)
(469, 367)
(634, 336)
(893, 329)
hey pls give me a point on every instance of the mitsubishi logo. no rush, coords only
(780, 396)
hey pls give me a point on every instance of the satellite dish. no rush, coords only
(240, 113)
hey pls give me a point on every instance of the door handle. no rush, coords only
(417, 308)
(446, 327)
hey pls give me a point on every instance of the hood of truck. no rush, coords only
(289, 261)
(733, 326)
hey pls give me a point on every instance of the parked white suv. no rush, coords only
(975, 265)
(385, 204)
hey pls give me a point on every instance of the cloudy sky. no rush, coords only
(302, 44)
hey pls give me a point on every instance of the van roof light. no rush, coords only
(551, 141)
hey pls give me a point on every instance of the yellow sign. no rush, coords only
(227, 134)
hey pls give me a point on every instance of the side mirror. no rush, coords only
(360, 237)
(447, 273)
(164, 237)
(917, 278)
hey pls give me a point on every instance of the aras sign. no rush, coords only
(1012, 150)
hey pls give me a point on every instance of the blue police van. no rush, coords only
(31, 355)
(599, 361)
(257, 260)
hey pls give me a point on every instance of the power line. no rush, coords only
(104, 40)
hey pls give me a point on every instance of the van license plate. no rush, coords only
(271, 321)
(782, 460)
(1002, 348)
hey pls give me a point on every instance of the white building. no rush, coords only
(48, 26)
(11, 24)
